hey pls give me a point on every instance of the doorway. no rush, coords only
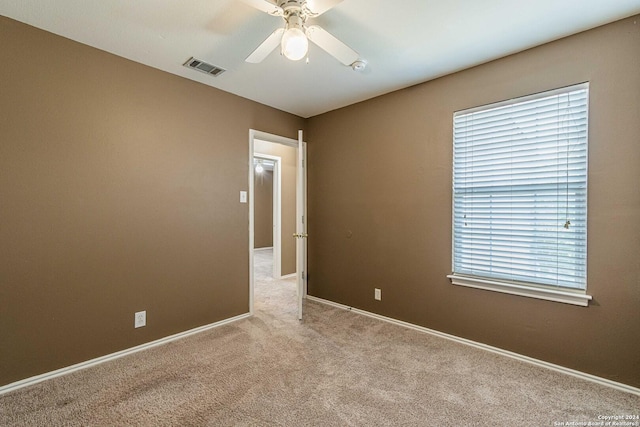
(278, 159)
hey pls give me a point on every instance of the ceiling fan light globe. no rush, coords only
(294, 44)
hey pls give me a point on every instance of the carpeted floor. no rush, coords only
(335, 368)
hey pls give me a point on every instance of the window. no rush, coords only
(520, 196)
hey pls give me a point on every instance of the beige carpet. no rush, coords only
(335, 368)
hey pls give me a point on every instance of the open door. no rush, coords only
(301, 226)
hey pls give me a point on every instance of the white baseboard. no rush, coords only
(93, 362)
(288, 276)
(496, 350)
(263, 249)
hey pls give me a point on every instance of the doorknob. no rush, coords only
(296, 235)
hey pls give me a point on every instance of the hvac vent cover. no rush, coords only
(203, 67)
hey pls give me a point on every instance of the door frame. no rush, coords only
(276, 139)
(277, 211)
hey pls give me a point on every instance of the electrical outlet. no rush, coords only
(140, 319)
(377, 294)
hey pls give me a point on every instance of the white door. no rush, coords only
(301, 225)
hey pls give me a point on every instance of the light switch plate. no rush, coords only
(243, 197)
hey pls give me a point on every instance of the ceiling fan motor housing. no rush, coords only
(291, 6)
(296, 7)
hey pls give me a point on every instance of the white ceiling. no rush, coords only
(405, 41)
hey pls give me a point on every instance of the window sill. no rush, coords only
(567, 297)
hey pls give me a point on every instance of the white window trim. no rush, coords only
(565, 296)
(578, 297)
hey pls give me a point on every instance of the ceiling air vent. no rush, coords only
(203, 67)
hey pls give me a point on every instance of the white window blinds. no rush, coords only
(520, 190)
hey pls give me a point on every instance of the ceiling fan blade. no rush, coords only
(318, 7)
(266, 47)
(332, 45)
(265, 6)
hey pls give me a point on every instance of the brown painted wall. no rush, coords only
(289, 157)
(263, 210)
(380, 206)
(119, 192)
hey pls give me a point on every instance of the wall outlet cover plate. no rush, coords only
(140, 319)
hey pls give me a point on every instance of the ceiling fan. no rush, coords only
(294, 37)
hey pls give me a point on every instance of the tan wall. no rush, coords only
(263, 210)
(380, 206)
(119, 192)
(289, 157)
